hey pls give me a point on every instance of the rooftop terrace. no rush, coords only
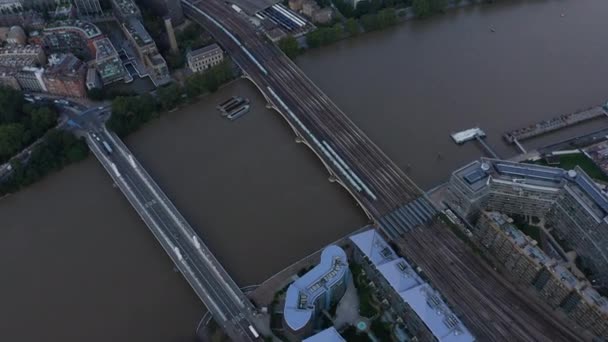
(90, 30)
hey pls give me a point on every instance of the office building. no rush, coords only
(88, 7)
(418, 306)
(66, 77)
(317, 290)
(107, 62)
(147, 52)
(125, 10)
(22, 56)
(204, 58)
(574, 208)
(71, 36)
(31, 79)
(16, 36)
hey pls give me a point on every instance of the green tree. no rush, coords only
(422, 8)
(169, 96)
(11, 136)
(289, 45)
(42, 118)
(11, 103)
(351, 26)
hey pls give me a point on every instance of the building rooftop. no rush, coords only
(435, 314)
(66, 65)
(19, 56)
(327, 335)
(425, 301)
(208, 50)
(594, 298)
(302, 293)
(137, 30)
(126, 8)
(503, 222)
(477, 174)
(89, 29)
(107, 61)
(374, 247)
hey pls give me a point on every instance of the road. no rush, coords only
(233, 312)
(486, 302)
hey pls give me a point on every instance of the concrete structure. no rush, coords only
(74, 36)
(327, 335)
(231, 309)
(204, 58)
(107, 62)
(573, 206)
(171, 34)
(93, 81)
(126, 9)
(31, 79)
(147, 52)
(21, 56)
(66, 77)
(16, 36)
(317, 290)
(420, 308)
(88, 7)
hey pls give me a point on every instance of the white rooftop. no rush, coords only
(327, 335)
(425, 301)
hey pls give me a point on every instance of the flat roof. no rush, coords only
(419, 295)
(302, 293)
(435, 314)
(211, 49)
(328, 335)
(89, 29)
(137, 30)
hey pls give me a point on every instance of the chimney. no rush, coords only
(171, 34)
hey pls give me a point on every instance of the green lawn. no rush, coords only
(569, 161)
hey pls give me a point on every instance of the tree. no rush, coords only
(169, 96)
(42, 118)
(289, 45)
(10, 139)
(11, 103)
(351, 26)
(422, 8)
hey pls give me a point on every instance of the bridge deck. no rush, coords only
(222, 297)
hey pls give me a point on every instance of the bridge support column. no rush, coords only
(299, 140)
(332, 179)
(269, 106)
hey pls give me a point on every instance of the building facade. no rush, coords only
(146, 51)
(529, 265)
(204, 58)
(74, 36)
(107, 62)
(31, 79)
(317, 290)
(66, 77)
(88, 7)
(405, 293)
(574, 208)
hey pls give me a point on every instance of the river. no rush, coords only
(79, 264)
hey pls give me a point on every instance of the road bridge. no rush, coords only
(488, 304)
(233, 312)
